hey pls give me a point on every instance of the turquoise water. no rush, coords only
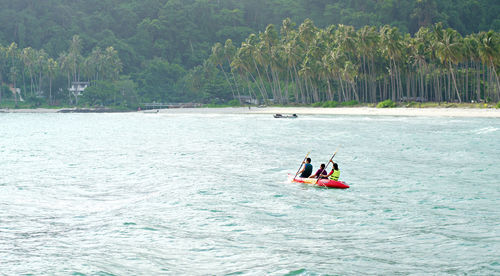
(128, 194)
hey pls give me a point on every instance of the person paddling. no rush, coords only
(335, 173)
(307, 169)
(321, 172)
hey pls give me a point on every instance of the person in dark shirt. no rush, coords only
(307, 169)
(321, 172)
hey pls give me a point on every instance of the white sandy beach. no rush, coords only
(371, 111)
(364, 111)
(35, 110)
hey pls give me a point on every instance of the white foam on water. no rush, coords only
(485, 130)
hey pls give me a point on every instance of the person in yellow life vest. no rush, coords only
(335, 173)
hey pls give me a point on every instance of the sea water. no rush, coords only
(207, 193)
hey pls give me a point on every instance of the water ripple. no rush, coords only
(197, 194)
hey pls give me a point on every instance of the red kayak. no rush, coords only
(322, 182)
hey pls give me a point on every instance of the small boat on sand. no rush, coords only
(281, 116)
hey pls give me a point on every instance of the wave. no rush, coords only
(485, 130)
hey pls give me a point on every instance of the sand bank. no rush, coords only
(363, 111)
(59, 110)
(34, 110)
(370, 111)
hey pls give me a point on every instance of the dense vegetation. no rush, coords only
(156, 50)
(309, 64)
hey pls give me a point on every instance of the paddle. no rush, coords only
(329, 161)
(301, 166)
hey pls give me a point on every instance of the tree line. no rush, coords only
(163, 44)
(34, 72)
(340, 63)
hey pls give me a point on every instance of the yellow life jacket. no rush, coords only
(335, 175)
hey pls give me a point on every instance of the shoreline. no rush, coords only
(348, 111)
(398, 111)
(62, 110)
(345, 111)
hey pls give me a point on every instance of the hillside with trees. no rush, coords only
(158, 50)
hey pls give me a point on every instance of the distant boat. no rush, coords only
(281, 116)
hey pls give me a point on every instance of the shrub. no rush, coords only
(350, 103)
(103, 93)
(330, 104)
(318, 104)
(34, 101)
(498, 105)
(6, 93)
(386, 104)
(412, 104)
(234, 103)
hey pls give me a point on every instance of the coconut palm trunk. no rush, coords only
(454, 81)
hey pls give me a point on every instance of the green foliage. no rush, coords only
(386, 104)
(157, 81)
(101, 94)
(121, 93)
(208, 85)
(367, 65)
(5, 90)
(127, 90)
(162, 45)
(330, 104)
(350, 103)
(234, 103)
(415, 104)
(35, 101)
(498, 105)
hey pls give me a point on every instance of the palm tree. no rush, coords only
(52, 67)
(112, 63)
(218, 59)
(229, 53)
(292, 52)
(392, 47)
(472, 58)
(367, 44)
(368, 64)
(420, 55)
(64, 65)
(241, 67)
(307, 32)
(287, 27)
(336, 63)
(350, 73)
(41, 65)
(75, 56)
(247, 56)
(94, 64)
(254, 52)
(449, 51)
(489, 52)
(28, 56)
(3, 64)
(13, 54)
